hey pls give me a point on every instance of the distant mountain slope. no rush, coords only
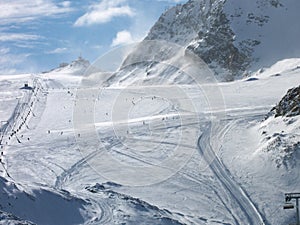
(76, 67)
(233, 37)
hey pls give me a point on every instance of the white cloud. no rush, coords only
(122, 37)
(57, 51)
(173, 1)
(65, 4)
(19, 11)
(97, 47)
(104, 12)
(18, 37)
(9, 61)
(4, 51)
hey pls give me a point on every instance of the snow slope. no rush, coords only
(49, 164)
(280, 130)
(11, 92)
(158, 140)
(261, 152)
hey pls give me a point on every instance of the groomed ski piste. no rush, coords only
(226, 178)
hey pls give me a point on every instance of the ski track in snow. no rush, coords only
(235, 191)
(75, 168)
(231, 196)
(222, 173)
(105, 216)
(18, 119)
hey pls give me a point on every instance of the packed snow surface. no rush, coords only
(145, 154)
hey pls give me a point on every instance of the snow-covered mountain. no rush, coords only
(172, 147)
(233, 37)
(76, 67)
(230, 178)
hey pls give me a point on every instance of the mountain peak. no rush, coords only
(232, 37)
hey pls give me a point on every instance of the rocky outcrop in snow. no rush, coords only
(289, 105)
(280, 131)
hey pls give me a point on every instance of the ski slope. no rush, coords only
(157, 163)
(244, 203)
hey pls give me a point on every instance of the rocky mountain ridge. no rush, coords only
(232, 37)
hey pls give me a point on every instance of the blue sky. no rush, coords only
(37, 35)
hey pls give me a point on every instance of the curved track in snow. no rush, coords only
(234, 190)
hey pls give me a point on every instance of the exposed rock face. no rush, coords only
(215, 45)
(180, 24)
(203, 27)
(289, 105)
(231, 36)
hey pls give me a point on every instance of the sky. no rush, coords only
(38, 35)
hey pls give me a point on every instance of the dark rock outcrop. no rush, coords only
(289, 105)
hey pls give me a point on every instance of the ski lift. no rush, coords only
(288, 205)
